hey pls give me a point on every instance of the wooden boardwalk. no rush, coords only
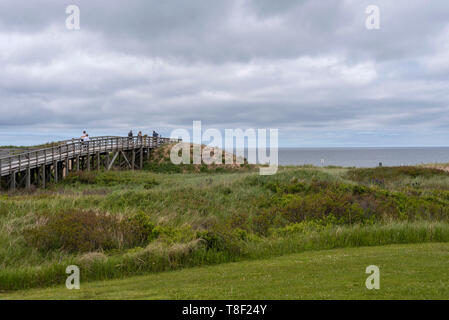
(39, 167)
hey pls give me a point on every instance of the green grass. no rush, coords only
(158, 257)
(208, 217)
(419, 271)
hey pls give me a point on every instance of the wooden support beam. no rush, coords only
(12, 180)
(133, 159)
(98, 161)
(141, 158)
(106, 160)
(112, 161)
(55, 171)
(28, 178)
(126, 159)
(77, 163)
(43, 177)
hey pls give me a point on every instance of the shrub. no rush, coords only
(84, 177)
(381, 174)
(141, 224)
(238, 220)
(221, 240)
(85, 231)
(338, 203)
(264, 220)
(172, 235)
(91, 258)
(165, 167)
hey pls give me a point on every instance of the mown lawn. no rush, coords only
(417, 271)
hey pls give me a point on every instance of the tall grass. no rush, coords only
(349, 236)
(158, 257)
(209, 218)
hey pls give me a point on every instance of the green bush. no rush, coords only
(143, 227)
(165, 167)
(222, 240)
(338, 203)
(171, 235)
(84, 231)
(381, 175)
(83, 177)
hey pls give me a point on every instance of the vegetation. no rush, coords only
(84, 231)
(124, 223)
(160, 162)
(419, 271)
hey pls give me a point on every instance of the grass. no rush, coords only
(159, 257)
(419, 271)
(206, 216)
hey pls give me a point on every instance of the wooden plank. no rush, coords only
(28, 178)
(55, 171)
(141, 158)
(133, 159)
(126, 159)
(12, 180)
(44, 178)
(98, 161)
(112, 161)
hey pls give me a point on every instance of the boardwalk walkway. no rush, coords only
(39, 167)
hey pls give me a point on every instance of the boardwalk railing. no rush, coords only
(56, 162)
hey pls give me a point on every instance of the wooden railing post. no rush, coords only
(28, 174)
(44, 178)
(88, 155)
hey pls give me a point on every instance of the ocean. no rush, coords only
(363, 157)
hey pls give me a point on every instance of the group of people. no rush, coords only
(85, 136)
(130, 134)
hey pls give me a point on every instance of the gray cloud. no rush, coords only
(309, 68)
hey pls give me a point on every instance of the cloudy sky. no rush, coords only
(309, 68)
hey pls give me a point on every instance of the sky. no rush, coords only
(309, 68)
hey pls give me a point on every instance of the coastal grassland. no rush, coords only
(123, 223)
(417, 271)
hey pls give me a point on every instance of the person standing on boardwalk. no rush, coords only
(86, 141)
(130, 136)
(139, 135)
(83, 138)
